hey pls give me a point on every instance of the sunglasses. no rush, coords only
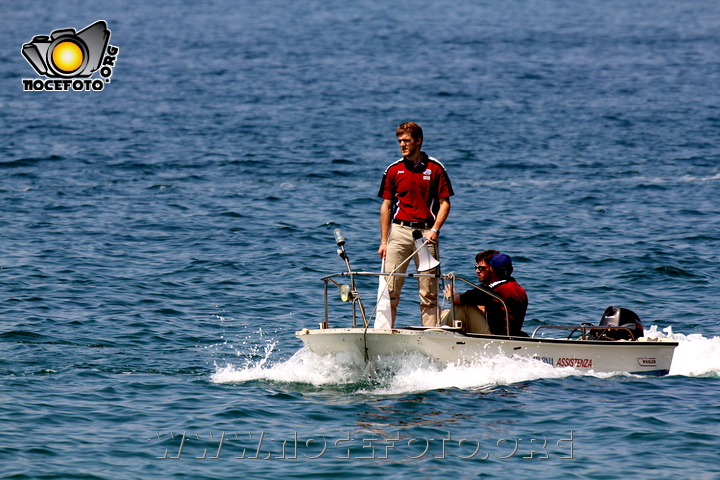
(481, 268)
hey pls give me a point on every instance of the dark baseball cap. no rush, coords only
(502, 262)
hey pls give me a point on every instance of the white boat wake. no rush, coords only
(695, 356)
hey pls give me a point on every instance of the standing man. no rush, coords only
(416, 193)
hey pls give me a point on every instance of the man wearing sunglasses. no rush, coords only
(479, 311)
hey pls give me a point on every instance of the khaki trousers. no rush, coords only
(473, 320)
(400, 244)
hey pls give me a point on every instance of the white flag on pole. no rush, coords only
(383, 312)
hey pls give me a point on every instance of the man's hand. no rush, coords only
(382, 251)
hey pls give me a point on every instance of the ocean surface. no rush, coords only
(161, 240)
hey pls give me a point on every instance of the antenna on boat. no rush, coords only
(354, 294)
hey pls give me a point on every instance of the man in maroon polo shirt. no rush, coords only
(416, 194)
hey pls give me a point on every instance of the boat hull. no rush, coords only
(452, 346)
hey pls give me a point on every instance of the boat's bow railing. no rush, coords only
(350, 294)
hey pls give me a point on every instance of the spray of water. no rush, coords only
(695, 356)
(400, 374)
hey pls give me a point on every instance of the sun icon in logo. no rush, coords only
(67, 56)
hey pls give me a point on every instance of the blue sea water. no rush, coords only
(162, 239)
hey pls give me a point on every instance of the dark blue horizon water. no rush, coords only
(163, 239)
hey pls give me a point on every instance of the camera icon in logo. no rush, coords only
(66, 53)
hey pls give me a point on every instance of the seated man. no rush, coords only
(482, 313)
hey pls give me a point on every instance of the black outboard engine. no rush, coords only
(620, 317)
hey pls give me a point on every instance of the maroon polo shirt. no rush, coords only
(415, 191)
(514, 297)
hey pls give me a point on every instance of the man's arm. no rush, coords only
(442, 215)
(385, 219)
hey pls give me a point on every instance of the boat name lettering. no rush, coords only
(575, 362)
(548, 360)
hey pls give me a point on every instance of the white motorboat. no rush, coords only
(615, 345)
(643, 356)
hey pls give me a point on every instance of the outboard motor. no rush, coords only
(620, 317)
